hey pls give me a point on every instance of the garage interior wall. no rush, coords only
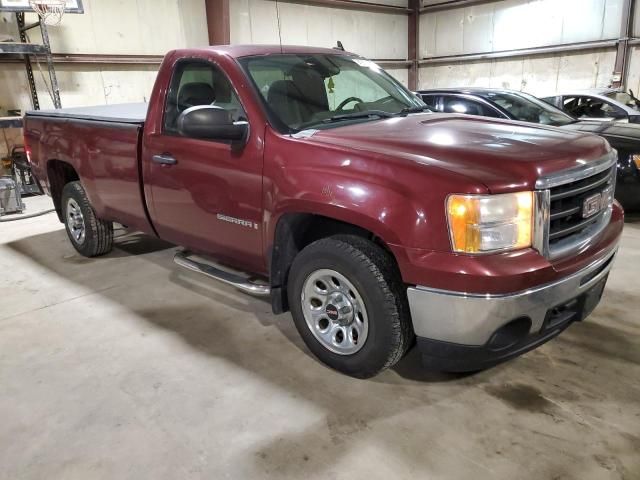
(506, 25)
(372, 34)
(113, 28)
(108, 27)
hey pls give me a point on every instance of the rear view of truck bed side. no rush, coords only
(99, 145)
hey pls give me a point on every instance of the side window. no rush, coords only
(431, 100)
(591, 107)
(199, 83)
(466, 106)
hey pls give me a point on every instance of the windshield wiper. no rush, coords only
(408, 110)
(365, 114)
(347, 116)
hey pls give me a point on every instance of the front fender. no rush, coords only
(401, 201)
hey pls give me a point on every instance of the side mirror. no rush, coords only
(211, 123)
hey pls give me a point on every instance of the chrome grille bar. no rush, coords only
(559, 227)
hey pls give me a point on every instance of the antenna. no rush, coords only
(279, 27)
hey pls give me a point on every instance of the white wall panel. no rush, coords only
(135, 27)
(139, 27)
(371, 34)
(633, 76)
(514, 24)
(400, 74)
(79, 85)
(635, 29)
(540, 75)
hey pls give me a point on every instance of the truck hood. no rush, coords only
(502, 154)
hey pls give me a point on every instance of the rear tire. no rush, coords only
(89, 235)
(349, 305)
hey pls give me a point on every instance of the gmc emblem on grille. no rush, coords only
(591, 205)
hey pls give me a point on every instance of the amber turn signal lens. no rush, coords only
(489, 223)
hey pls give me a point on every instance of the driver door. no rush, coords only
(205, 194)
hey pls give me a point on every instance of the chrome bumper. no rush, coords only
(471, 319)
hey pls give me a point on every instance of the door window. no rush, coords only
(431, 100)
(591, 107)
(455, 104)
(197, 83)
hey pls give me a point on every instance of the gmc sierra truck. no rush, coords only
(312, 177)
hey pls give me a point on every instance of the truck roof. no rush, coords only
(237, 51)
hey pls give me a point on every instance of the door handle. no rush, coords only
(164, 159)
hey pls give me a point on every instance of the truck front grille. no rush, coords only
(574, 206)
(567, 205)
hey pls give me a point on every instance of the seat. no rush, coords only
(195, 93)
(296, 101)
(190, 95)
(285, 100)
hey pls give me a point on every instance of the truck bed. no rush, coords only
(132, 113)
(102, 145)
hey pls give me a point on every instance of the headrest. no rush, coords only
(196, 93)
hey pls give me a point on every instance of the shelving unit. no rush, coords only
(31, 51)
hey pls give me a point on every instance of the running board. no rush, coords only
(243, 284)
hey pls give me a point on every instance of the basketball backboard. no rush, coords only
(73, 6)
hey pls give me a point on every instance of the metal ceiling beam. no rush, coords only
(453, 4)
(106, 59)
(95, 58)
(622, 54)
(353, 5)
(218, 23)
(413, 47)
(569, 47)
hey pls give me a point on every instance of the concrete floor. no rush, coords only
(126, 367)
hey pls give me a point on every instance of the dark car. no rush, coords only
(513, 105)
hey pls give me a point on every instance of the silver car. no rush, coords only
(598, 104)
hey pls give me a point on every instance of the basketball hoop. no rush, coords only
(49, 11)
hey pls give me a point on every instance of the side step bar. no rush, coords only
(243, 284)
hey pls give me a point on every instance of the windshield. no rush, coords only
(528, 108)
(322, 90)
(622, 97)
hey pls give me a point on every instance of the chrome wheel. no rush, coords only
(335, 312)
(75, 221)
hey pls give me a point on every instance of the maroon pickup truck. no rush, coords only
(312, 177)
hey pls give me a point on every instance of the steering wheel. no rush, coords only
(347, 100)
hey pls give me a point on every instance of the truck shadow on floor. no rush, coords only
(243, 331)
(53, 251)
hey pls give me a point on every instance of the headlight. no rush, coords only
(487, 223)
(636, 160)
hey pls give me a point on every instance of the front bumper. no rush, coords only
(460, 331)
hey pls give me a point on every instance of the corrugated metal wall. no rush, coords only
(371, 34)
(540, 74)
(516, 24)
(107, 27)
(519, 24)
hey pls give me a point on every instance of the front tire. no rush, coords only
(89, 235)
(349, 305)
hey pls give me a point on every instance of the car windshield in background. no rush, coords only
(527, 108)
(323, 90)
(622, 97)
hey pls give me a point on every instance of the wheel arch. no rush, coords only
(59, 173)
(293, 232)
